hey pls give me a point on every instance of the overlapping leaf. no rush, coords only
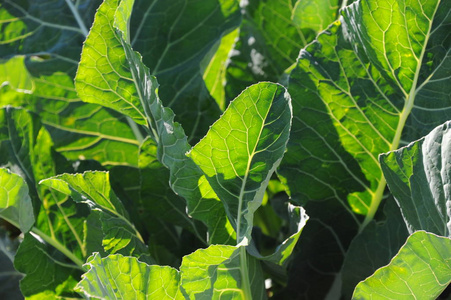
(421, 270)
(243, 148)
(419, 176)
(185, 177)
(59, 222)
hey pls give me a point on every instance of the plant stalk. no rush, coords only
(246, 285)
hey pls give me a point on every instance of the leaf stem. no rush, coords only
(246, 286)
(80, 23)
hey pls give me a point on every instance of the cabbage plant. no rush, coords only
(225, 149)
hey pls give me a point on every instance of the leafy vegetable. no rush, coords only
(145, 151)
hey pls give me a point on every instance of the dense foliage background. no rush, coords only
(222, 148)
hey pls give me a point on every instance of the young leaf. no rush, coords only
(419, 176)
(420, 270)
(117, 276)
(243, 148)
(15, 202)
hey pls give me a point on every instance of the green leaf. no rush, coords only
(174, 40)
(46, 269)
(217, 272)
(373, 248)
(420, 270)
(419, 176)
(243, 148)
(15, 203)
(93, 188)
(117, 276)
(362, 85)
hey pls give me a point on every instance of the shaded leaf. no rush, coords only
(81, 131)
(270, 38)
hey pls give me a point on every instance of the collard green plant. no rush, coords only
(225, 149)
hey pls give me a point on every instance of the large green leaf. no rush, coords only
(355, 91)
(118, 276)
(420, 270)
(243, 148)
(174, 40)
(41, 71)
(15, 202)
(419, 176)
(93, 188)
